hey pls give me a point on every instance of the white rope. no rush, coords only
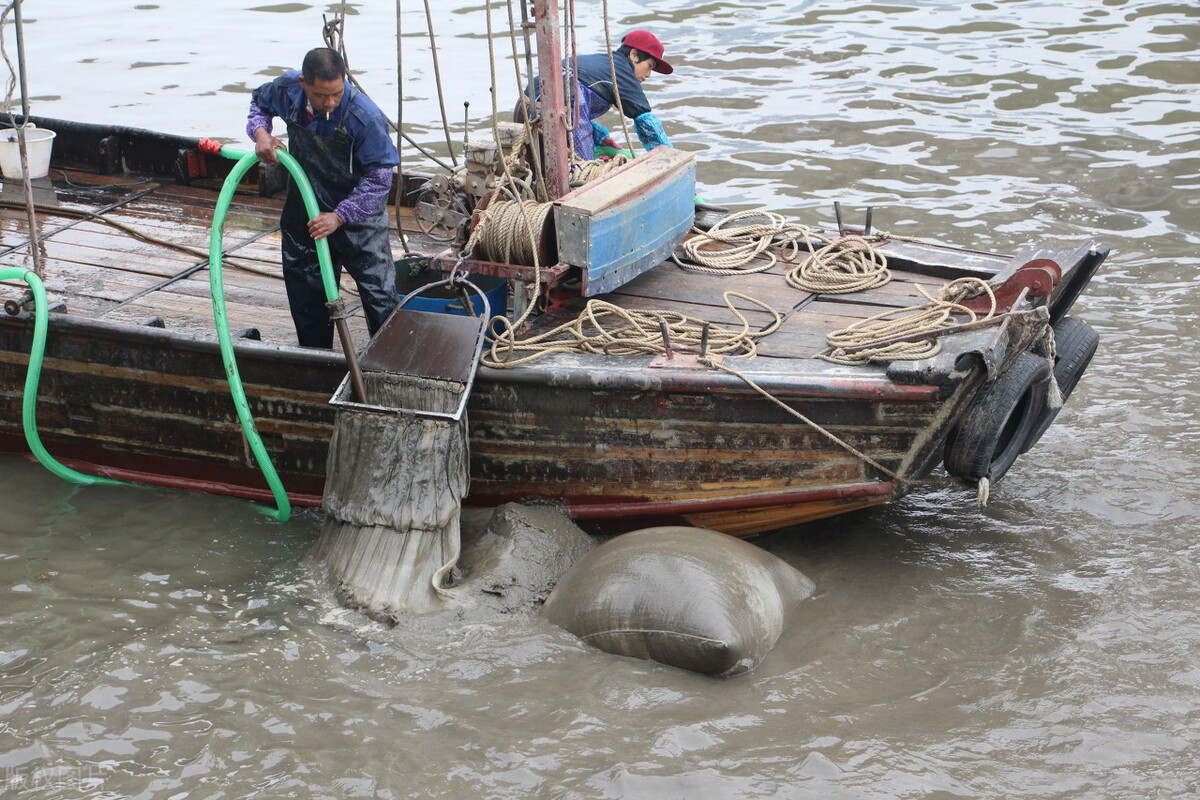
(870, 340)
(844, 265)
(607, 329)
(728, 247)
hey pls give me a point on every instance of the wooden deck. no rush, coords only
(95, 262)
(134, 386)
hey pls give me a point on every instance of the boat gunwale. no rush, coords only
(635, 375)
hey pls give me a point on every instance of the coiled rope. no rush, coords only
(635, 333)
(587, 171)
(872, 340)
(508, 231)
(843, 265)
(727, 248)
(840, 266)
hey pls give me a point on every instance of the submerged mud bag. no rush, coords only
(686, 597)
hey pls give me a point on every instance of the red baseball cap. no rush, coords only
(649, 44)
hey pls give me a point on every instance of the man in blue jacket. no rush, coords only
(341, 139)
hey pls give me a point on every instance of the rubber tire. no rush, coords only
(989, 435)
(1075, 343)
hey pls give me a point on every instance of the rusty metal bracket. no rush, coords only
(550, 276)
(683, 361)
(1036, 278)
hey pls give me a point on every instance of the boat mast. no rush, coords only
(553, 106)
(35, 251)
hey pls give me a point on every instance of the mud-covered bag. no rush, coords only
(687, 597)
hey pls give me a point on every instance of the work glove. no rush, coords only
(599, 134)
(650, 131)
(610, 149)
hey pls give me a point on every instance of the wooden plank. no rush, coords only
(203, 196)
(602, 226)
(72, 280)
(632, 178)
(239, 287)
(183, 313)
(193, 314)
(791, 344)
(720, 315)
(118, 250)
(944, 260)
(93, 232)
(670, 280)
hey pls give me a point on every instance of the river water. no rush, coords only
(163, 644)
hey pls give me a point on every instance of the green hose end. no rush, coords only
(215, 148)
(95, 480)
(281, 514)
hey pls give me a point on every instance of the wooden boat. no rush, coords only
(133, 386)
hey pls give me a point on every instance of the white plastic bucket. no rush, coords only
(38, 144)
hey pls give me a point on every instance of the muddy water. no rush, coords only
(158, 644)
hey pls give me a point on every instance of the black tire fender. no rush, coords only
(1075, 342)
(991, 433)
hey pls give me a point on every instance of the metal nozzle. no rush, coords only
(13, 307)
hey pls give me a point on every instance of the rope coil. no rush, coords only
(587, 171)
(841, 266)
(727, 248)
(871, 338)
(508, 231)
(636, 333)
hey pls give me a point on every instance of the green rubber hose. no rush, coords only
(245, 160)
(41, 313)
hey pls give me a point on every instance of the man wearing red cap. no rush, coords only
(640, 54)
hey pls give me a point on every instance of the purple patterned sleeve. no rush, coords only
(257, 119)
(368, 196)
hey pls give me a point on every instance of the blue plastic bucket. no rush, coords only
(410, 278)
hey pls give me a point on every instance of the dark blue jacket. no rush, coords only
(595, 73)
(364, 122)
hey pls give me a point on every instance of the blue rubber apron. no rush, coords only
(363, 248)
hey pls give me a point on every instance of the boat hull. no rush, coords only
(622, 450)
(621, 441)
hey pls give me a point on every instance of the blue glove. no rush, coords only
(650, 131)
(599, 133)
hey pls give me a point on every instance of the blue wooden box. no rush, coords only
(617, 227)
